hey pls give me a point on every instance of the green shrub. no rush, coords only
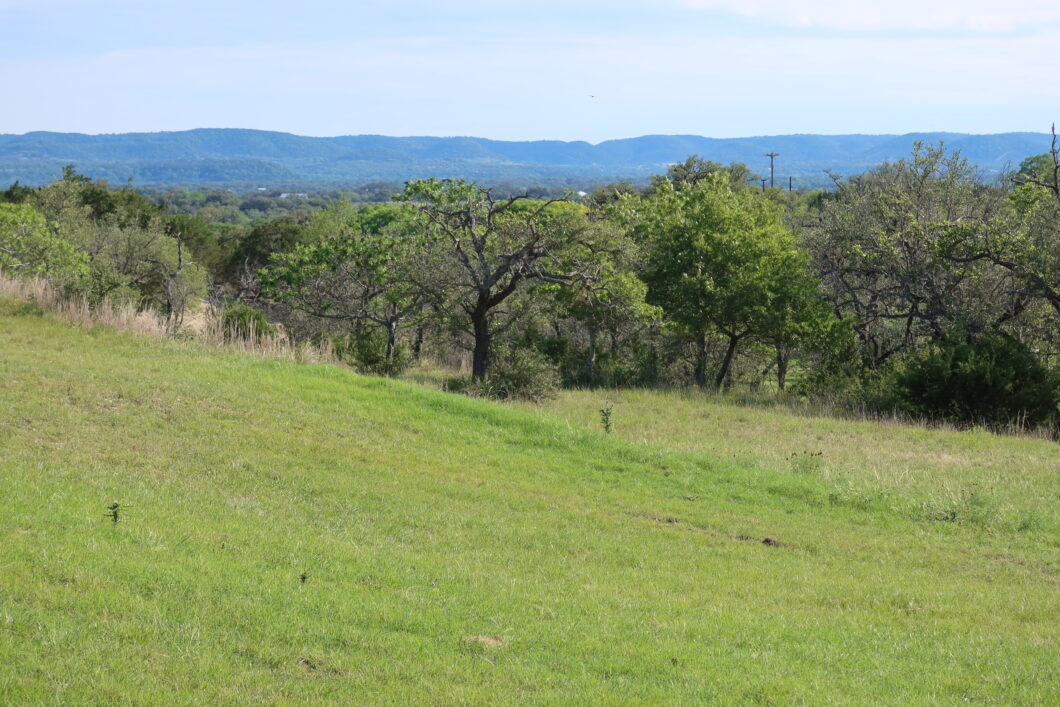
(835, 371)
(366, 351)
(519, 373)
(245, 323)
(995, 381)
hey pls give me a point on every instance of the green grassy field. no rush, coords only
(300, 533)
(969, 476)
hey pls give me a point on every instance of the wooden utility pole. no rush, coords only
(772, 156)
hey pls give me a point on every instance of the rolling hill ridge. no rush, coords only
(239, 156)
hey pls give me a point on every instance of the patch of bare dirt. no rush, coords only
(487, 641)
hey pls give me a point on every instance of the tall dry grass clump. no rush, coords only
(33, 290)
(214, 332)
(206, 329)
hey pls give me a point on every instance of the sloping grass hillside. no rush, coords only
(299, 533)
(960, 476)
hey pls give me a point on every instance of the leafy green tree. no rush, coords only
(17, 194)
(695, 169)
(486, 250)
(131, 253)
(205, 243)
(898, 251)
(357, 270)
(613, 297)
(29, 248)
(180, 279)
(607, 194)
(799, 317)
(280, 235)
(722, 261)
(618, 299)
(1030, 248)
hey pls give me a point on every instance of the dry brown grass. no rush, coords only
(203, 325)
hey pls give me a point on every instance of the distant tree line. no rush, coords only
(916, 286)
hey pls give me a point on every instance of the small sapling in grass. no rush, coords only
(303, 578)
(114, 512)
(605, 417)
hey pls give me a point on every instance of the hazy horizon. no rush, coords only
(540, 139)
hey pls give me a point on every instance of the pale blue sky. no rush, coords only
(589, 69)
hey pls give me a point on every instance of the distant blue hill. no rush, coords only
(233, 156)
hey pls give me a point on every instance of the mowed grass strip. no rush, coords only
(295, 532)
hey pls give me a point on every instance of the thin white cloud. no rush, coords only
(966, 15)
